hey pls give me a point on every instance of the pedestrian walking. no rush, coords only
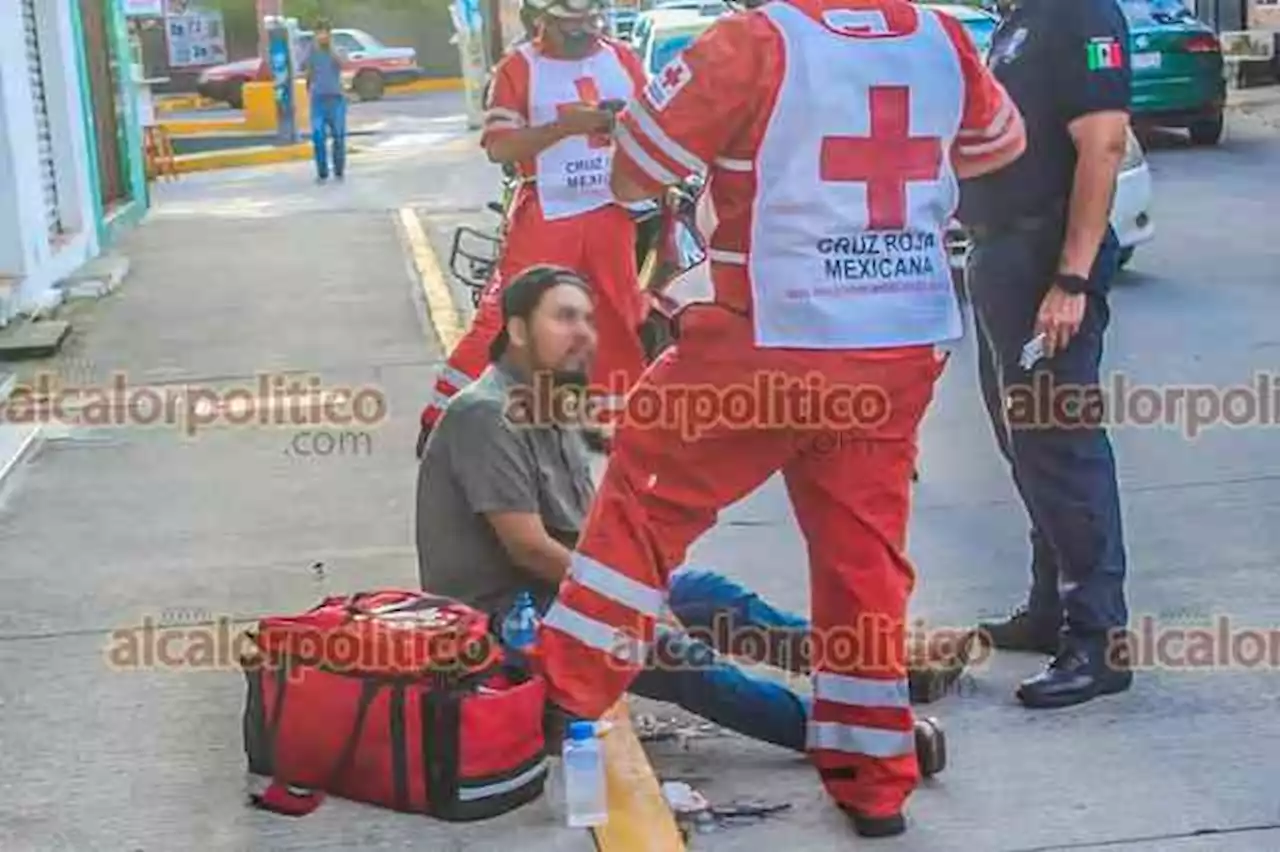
(323, 70)
(1043, 258)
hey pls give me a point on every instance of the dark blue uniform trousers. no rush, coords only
(1065, 473)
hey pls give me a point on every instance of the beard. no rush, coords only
(569, 379)
(577, 42)
(574, 374)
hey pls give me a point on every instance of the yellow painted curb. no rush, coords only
(204, 126)
(236, 157)
(184, 103)
(639, 819)
(445, 317)
(442, 84)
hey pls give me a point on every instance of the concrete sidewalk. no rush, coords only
(107, 527)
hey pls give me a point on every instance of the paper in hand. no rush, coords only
(1032, 352)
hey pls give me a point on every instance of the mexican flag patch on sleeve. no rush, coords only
(1105, 54)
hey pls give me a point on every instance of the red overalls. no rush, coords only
(829, 269)
(562, 214)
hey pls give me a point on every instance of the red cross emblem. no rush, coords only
(588, 95)
(672, 76)
(887, 160)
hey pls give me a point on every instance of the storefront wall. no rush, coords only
(48, 224)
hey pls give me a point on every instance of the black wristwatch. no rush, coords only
(1073, 284)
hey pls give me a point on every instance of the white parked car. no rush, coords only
(1131, 211)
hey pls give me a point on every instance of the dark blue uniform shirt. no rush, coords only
(1059, 60)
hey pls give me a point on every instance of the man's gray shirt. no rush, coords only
(478, 461)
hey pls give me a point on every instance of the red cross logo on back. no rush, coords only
(588, 95)
(672, 76)
(887, 160)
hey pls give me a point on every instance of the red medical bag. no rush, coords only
(395, 698)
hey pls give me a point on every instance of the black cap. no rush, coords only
(523, 295)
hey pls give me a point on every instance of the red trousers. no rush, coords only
(600, 246)
(847, 470)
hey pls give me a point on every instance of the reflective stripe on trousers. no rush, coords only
(843, 695)
(607, 611)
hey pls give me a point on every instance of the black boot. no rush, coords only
(1083, 670)
(1020, 632)
(887, 826)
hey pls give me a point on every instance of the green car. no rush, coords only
(1178, 74)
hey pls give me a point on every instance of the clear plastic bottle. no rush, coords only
(584, 783)
(520, 627)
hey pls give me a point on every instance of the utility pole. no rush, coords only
(265, 8)
(493, 19)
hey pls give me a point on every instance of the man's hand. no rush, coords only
(525, 539)
(1060, 316)
(577, 119)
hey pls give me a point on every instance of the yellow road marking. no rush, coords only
(238, 157)
(439, 84)
(445, 317)
(203, 126)
(639, 819)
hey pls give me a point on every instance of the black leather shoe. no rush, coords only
(1019, 632)
(890, 826)
(1079, 673)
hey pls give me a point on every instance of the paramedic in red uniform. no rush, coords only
(833, 135)
(544, 117)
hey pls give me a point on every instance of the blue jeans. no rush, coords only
(329, 118)
(684, 668)
(720, 615)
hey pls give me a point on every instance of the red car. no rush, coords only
(368, 63)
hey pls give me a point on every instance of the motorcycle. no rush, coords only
(667, 244)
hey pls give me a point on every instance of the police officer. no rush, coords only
(1043, 258)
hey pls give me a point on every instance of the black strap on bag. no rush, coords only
(284, 798)
(399, 753)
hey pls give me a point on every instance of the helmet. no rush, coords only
(562, 8)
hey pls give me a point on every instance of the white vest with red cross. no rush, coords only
(855, 186)
(573, 174)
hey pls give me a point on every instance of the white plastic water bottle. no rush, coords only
(584, 785)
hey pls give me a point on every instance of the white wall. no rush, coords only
(25, 250)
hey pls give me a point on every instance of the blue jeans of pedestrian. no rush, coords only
(329, 121)
(1065, 472)
(685, 667)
